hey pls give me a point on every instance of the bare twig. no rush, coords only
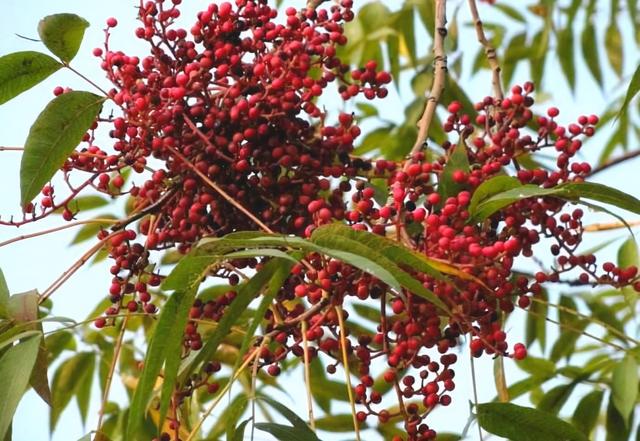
(221, 192)
(307, 375)
(347, 373)
(11, 149)
(53, 230)
(489, 50)
(439, 76)
(475, 390)
(606, 226)
(221, 394)
(112, 369)
(68, 273)
(616, 161)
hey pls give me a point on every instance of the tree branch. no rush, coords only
(489, 50)
(439, 77)
(616, 161)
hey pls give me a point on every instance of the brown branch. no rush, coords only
(489, 50)
(53, 230)
(439, 76)
(11, 149)
(616, 161)
(221, 192)
(112, 368)
(606, 226)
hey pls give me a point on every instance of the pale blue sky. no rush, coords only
(37, 262)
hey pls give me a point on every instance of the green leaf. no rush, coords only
(246, 294)
(404, 23)
(287, 433)
(537, 366)
(21, 71)
(632, 91)
(53, 136)
(572, 191)
(510, 12)
(385, 252)
(613, 45)
(85, 203)
(15, 370)
(628, 256)
(279, 277)
(555, 398)
(564, 346)
(617, 429)
(566, 55)
(58, 342)
(458, 161)
(164, 345)
(67, 381)
(624, 386)
(525, 424)
(590, 50)
(426, 11)
(4, 297)
(586, 414)
(238, 435)
(536, 324)
(62, 34)
(290, 415)
(337, 423)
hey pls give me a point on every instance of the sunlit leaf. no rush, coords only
(53, 136)
(62, 34)
(21, 71)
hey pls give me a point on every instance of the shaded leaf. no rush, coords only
(4, 297)
(555, 398)
(525, 424)
(572, 191)
(67, 381)
(458, 161)
(53, 136)
(238, 434)
(624, 386)
(15, 370)
(164, 344)
(586, 414)
(590, 50)
(613, 45)
(566, 55)
(62, 34)
(21, 71)
(287, 433)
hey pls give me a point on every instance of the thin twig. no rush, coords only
(254, 379)
(475, 390)
(112, 369)
(104, 92)
(11, 149)
(53, 230)
(578, 331)
(606, 226)
(489, 50)
(222, 394)
(439, 76)
(307, 375)
(68, 273)
(221, 192)
(616, 161)
(595, 321)
(347, 373)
